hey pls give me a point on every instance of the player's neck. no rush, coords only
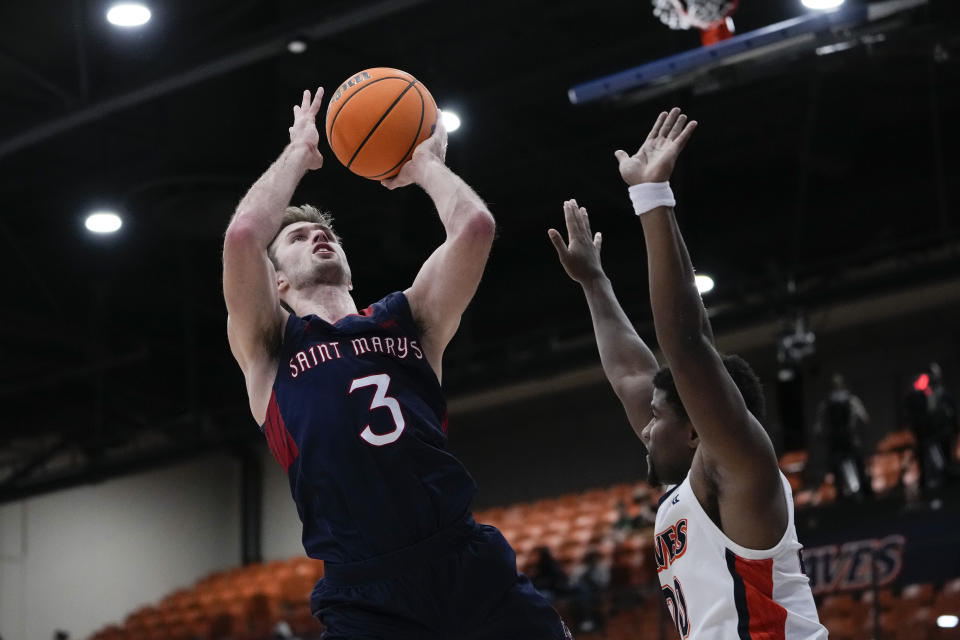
(329, 302)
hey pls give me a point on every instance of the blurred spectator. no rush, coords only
(626, 524)
(222, 627)
(60, 634)
(932, 415)
(840, 422)
(547, 576)
(624, 521)
(647, 515)
(282, 631)
(590, 581)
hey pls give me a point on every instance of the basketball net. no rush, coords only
(711, 17)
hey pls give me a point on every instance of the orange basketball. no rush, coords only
(376, 119)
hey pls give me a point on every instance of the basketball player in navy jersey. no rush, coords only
(351, 406)
(726, 547)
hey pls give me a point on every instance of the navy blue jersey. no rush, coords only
(358, 420)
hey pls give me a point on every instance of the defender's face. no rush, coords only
(309, 253)
(670, 442)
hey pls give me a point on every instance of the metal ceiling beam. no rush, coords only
(97, 472)
(272, 46)
(219, 434)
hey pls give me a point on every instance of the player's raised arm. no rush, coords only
(448, 279)
(627, 361)
(249, 280)
(734, 449)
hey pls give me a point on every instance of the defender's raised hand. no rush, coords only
(304, 129)
(654, 161)
(581, 258)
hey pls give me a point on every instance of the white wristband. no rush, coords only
(650, 195)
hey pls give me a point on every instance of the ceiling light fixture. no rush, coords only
(451, 121)
(296, 46)
(821, 5)
(704, 283)
(103, 222)
(128, 14)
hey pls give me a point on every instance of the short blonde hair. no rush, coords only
(303, 213)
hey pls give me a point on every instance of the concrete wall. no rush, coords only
(81, 558)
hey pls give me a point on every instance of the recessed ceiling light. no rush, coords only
(451, 121)
(128, 14)
(296, 46)
(103, 222)
(704, 283)
(822, 4)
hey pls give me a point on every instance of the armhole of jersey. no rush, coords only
(788, 496)
(398, 306)
(292, 331)
(740, 550)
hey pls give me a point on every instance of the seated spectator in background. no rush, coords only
(282, 631)
(624, 522)
(590, 581)
(840, 423)
(932, 415)
(647, 515)
(547, 576)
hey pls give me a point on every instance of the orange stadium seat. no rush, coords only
(223, 627)
(840, 628)
(918, 595)
(302, 622)
(308, 566)
(793, 464)
(897, 441)
(885, 597)
(841, 604)
(886, 472)
(846, 617)
(637, 622)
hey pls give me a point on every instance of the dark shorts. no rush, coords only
(461, 583)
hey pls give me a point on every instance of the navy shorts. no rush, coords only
(461, 583)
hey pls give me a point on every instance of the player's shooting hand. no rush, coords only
(430, 151)
(654, 161)
(581, 257)
(304, 129)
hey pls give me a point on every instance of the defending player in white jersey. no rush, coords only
(726, 547)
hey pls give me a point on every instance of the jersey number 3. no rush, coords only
(380, 399)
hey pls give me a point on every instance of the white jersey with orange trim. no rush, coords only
(715, 589)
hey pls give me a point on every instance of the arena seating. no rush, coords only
(242, 604)
(246, 603)
(891, 467)
(910, 615)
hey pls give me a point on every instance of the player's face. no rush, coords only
(308, 254)
(670, 442)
